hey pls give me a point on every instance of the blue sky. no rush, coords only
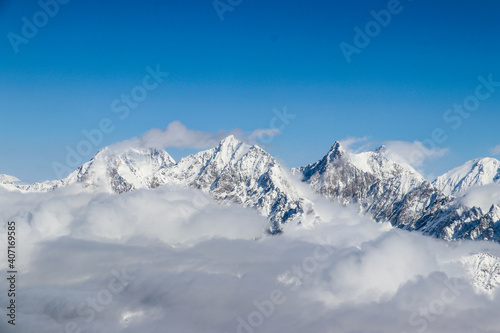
(231, 74)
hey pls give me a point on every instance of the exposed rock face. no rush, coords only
(235, 172)
(395, 192)
(484, 270)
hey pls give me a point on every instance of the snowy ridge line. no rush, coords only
(234, 172)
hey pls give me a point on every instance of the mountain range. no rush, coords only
(235, 172)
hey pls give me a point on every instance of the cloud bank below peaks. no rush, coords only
(150, 259)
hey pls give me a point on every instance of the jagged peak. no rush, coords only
(336, 151)
(230, 144)
(231, 148)
(494, 208)
(229, 140)
(336, 146)
(381, 149)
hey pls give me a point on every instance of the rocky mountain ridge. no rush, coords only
(234, 172)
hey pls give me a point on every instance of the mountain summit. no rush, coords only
(395, 192)
(474, 173)
(234, 172)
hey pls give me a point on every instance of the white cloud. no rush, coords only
(191, 265)
(413, 153)
(264, 133)
(178, 135)
(349, 141)
(495, 150)
(482, 197)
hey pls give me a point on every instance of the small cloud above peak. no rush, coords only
(413, 153)
(177, 135)
(495, 151)
(350, 142)
(264, 134)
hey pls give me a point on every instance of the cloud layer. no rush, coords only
(495, 150)
(171, 258)
(413, 153)
(482, 197)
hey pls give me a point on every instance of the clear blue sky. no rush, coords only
(231, 74)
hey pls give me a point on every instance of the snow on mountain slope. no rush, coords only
(369, 178)
(232, 172)
(349, 173)
(456, 221)
(6, 179)
(110, 170)
(121, 171)
(8, 182)
(390, 191)
(235, 172)
(474, 173)
(11, 183)
(484, 270)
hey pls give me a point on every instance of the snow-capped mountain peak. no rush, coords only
(372, 164)
(120, 171)
(494, 212)
(230, 140)
(474, 173)
(336, 151)
(231, 148)
(9, 182)
(6, 179)
(235, 172)
(381, 149)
